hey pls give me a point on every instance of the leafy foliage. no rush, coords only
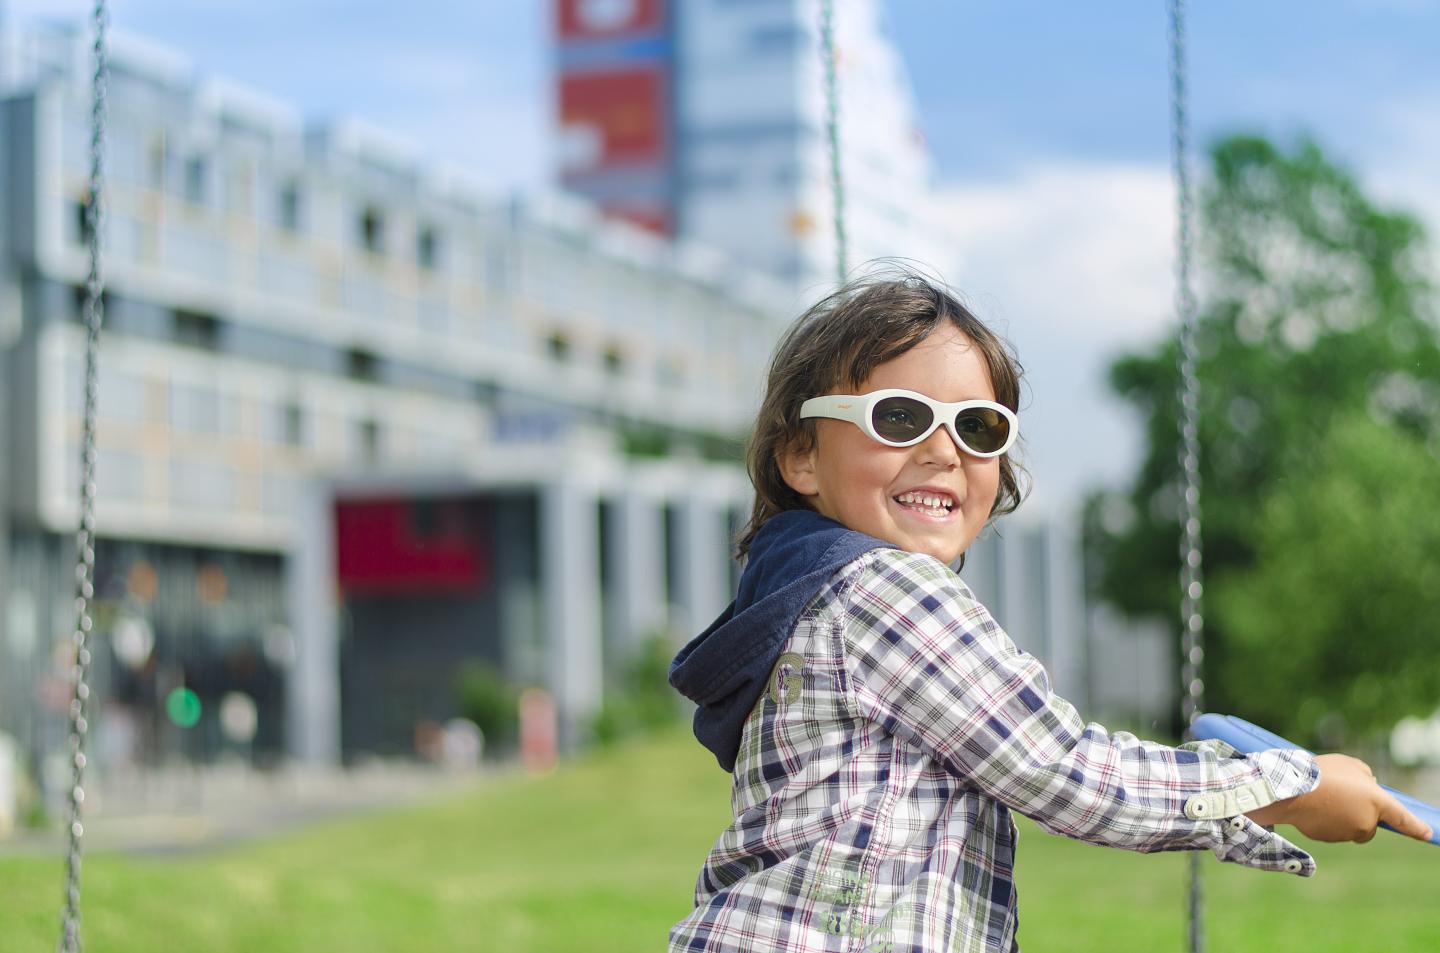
(1315, 333)
(644, 702)
(486, 698)
(1339, 616)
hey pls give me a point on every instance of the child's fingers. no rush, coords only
(1392, 812)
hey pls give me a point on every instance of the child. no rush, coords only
(879, 724)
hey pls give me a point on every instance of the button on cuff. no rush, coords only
(1293, 866)
(1229, 803)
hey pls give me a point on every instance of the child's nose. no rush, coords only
(939, 447)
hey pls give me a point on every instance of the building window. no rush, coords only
(557, 345)
(159, 158)
(193, 329)
(290, 207)
(369, 440)
(195, 175)
(81, 212)
(372, 231)
(779, 38)
(292, 424)
(486, 393)
(427, 248)
(614, 359)
(79, 292)
(361, 365)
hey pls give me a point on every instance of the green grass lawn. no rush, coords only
(602, 856)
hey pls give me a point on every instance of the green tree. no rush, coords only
(1315, 326)
(1338, 615)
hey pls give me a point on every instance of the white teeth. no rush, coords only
(938, 504)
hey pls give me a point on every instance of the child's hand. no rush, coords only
(1346, 805)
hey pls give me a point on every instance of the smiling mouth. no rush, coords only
(936, 505)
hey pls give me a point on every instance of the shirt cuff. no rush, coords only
(1275, 775)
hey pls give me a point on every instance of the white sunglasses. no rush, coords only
(903, 418)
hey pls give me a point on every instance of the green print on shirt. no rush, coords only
(839, 887)
(878, 936)
(791, 681)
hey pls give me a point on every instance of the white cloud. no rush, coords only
(1086, 250)
(1402, 164)
(1074, 263)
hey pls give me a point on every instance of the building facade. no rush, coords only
(363, 424)
(321, 351)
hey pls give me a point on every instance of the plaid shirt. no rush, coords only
(876, 775)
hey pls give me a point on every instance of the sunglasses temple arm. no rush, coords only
(855, 412)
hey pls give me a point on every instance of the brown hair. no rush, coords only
(839, 342)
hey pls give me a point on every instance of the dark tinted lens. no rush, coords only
(982, 429)
(900, 419)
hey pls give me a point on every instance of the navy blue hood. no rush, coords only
(724, 669)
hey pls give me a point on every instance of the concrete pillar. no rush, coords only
(570, 601)
(313, 686)
(703, 564)
(982, 572)
(1022, 588)
(1065, 614)
(637, 566)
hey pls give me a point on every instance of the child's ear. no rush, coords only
(797, 467)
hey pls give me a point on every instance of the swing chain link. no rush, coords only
(1192, 617)
(93, 314)
(832, 131)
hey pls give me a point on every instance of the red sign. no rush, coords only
(656, 220)
(613, 118)
(410, 546)
(605, 19)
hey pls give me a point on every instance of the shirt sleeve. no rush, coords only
(927, 662)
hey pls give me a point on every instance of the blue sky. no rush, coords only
(997, 83)
(1047, 122)
(999, 86)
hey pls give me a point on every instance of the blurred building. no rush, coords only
(364, 422)
(706, 119)
(361, 421)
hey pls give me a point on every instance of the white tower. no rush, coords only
(753, 148)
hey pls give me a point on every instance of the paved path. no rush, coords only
(185, 809)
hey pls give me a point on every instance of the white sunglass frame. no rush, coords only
(857, 409)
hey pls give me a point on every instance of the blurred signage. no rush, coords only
(410, 546)
(530, 427)
(596, 19)
(519, 418)
(614, 118)
(614, 90)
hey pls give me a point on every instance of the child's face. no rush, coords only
(856, 480)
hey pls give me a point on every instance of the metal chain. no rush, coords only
(1192, 617)
(94, 314)
(832, 130)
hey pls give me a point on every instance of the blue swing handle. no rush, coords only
(1247, 738)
